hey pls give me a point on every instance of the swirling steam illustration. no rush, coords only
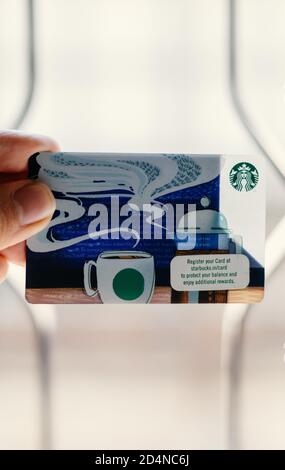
(142, 178)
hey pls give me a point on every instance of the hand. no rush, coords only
(26, 207)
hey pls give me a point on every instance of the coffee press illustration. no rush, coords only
(210, 234)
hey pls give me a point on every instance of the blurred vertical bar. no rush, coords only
(42, 317)
(31, 66)
(235, 316)
(268, 146)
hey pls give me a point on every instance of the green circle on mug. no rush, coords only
(128, 284)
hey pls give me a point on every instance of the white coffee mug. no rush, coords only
(122, 277)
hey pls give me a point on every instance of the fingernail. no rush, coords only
(34, 202)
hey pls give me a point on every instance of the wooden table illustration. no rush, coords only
(161, 295)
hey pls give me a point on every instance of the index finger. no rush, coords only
(16, 147)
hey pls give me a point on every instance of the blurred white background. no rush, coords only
(144, 76)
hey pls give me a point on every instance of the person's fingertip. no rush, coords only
(3, 268)
(50, 144)
(16, 254)
(17, 146)
(34, 202)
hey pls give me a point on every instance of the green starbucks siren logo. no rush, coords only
(244, 176)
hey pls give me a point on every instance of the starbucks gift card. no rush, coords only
(149, 228)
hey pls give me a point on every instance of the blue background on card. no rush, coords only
(64, 268)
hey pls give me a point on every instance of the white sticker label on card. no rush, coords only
(209, 272)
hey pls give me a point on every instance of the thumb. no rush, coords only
(25, 208)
